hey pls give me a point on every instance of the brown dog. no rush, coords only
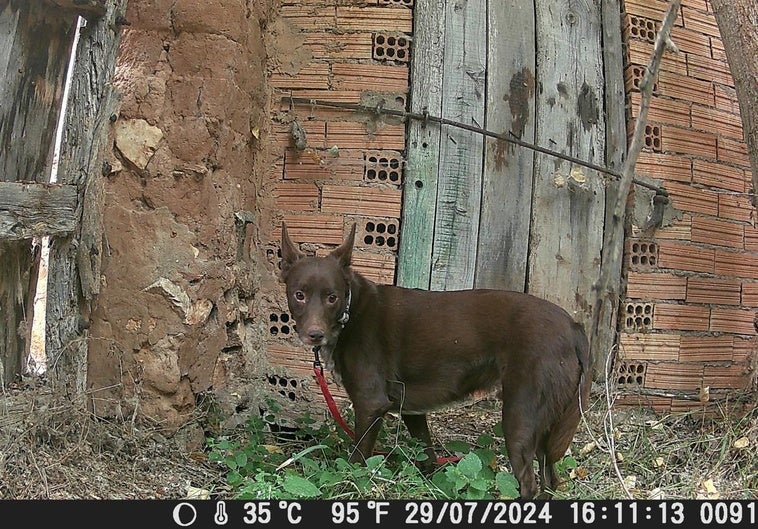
(411, 351)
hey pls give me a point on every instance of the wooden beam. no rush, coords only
(85, 8)
(603, 337)
(74, 273)
(29, 210)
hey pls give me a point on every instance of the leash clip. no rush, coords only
(316, 361)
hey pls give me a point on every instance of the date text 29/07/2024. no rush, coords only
(370, 513)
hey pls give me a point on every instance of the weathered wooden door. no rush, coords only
(486, 213)
(35, 46)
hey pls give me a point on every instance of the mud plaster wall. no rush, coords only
(181, 271)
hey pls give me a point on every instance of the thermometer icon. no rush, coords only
(220, 517)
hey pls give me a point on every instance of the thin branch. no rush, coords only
(662, 41)
(608, 428)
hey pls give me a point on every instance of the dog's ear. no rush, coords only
(344, 252)
(290, 253)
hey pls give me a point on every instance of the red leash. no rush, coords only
(318, 370)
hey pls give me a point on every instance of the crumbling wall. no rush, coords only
(180, 269)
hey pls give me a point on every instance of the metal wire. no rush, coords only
(425, 117)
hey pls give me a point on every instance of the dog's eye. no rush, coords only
(332, 298)
(300, 295)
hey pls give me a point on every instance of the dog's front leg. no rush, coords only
(419, 428)
(368, 422)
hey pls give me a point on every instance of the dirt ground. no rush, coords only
(49, 450)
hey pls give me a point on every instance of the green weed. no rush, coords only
(312, 464)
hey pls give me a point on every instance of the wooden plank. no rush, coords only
(420, 191)
(568, 219)
(33, 210)
(508, 169)
(456, 226)
(31, 88)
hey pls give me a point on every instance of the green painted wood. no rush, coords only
(505, 217)
(569, 202)
(420, 177)
(456, 226)
(508, 169)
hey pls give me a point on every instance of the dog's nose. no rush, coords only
(316, 334)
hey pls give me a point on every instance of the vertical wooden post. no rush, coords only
(74, 275)
(604, 337)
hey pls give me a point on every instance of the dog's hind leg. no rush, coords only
(522, 464)
(548, 476)
(520, 441)
(418, 427)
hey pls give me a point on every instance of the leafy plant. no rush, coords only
(311, 463)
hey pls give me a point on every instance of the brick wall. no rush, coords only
(688, 320)
(691, 287)
(351, 170)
